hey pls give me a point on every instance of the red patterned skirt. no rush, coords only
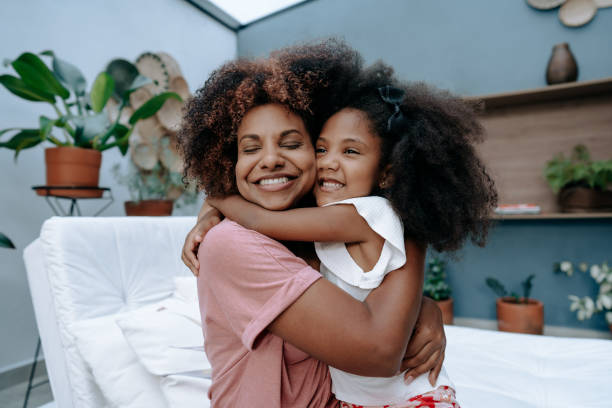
(441, 397)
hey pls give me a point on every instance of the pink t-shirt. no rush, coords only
(246, 280)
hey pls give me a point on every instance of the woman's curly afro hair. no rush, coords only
(438, 185)
(294, 77)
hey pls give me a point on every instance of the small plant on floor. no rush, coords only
(500, 290)
(435, 285)
(158, 183)
(586, 307)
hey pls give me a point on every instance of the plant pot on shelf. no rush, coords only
(156, 208)
(520, 317)
(582, 199)
(72, 167)
(446, 306)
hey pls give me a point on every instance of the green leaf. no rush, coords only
(151, 107)
(3, 131)
(101, 90)
(5, 242)
(139, 82)
(91, 126)
(23, 140)
(124, 73)
(18, 87)
(70, 75)
(35, 73)
(496, 286)
(46, 125)
(527, 285)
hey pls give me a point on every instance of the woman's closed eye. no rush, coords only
(250, 149)
(292, 145)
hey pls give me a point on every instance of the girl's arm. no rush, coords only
(335, 223)
(366, 338)
(207, 218)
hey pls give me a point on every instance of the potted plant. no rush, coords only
(586, 307)
(84, 127)
(154, 192)
(581, 183)
(516, 313)
(435, 287)
(5, 242)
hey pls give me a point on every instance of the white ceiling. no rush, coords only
(246, 11)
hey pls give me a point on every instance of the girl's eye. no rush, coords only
(351, 151)
(320, 150)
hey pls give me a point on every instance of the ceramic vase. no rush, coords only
(72, 167)
(155, 208)
(562, 65)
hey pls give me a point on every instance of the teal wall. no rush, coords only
(473, 47)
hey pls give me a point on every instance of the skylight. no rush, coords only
(246, 11)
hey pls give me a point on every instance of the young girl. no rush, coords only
(396, 162)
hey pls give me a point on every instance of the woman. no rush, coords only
(271, 324)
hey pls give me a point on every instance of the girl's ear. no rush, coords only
(386, 178)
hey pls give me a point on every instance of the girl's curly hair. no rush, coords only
(439, 186)
(294, 77)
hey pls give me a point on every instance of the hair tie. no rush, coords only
(393, 96)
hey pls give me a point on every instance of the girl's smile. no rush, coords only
(348, 157)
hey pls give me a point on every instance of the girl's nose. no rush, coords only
(327, 162)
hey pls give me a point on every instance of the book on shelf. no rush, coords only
(506, 209)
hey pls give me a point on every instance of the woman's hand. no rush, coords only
(425, 351)
(208, 218)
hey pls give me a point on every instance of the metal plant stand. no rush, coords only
(54, 201)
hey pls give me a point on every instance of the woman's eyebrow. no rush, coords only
(288, 132)
(248, 136)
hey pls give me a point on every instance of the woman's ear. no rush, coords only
(385, 180)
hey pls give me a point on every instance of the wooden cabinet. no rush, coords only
(526, 128)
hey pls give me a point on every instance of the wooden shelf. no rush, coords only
(552, 216)
(561, 92)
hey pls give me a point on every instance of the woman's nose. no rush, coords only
(271, 158)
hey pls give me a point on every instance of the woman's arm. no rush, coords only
(336, 223)
(365, 338)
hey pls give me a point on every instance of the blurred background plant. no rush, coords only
(434, 285)
(83, 118)
(158, 183)
(585, 307)
(5, 242)
(500, 290)
(578, 170)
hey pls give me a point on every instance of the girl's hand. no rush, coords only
(193, 239)
(425, 351)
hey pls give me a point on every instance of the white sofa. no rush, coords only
(96, 282)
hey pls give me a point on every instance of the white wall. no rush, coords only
(89, 34)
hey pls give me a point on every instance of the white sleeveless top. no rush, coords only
(339, 268)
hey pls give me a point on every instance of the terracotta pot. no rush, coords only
(73, 167)
(446, 306)
(149, 208)
(520, 317)
(582, 199)
(562, 65)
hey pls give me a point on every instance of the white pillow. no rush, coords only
(167, 338)
(115, 367)
(186, 391)
(186, 287)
